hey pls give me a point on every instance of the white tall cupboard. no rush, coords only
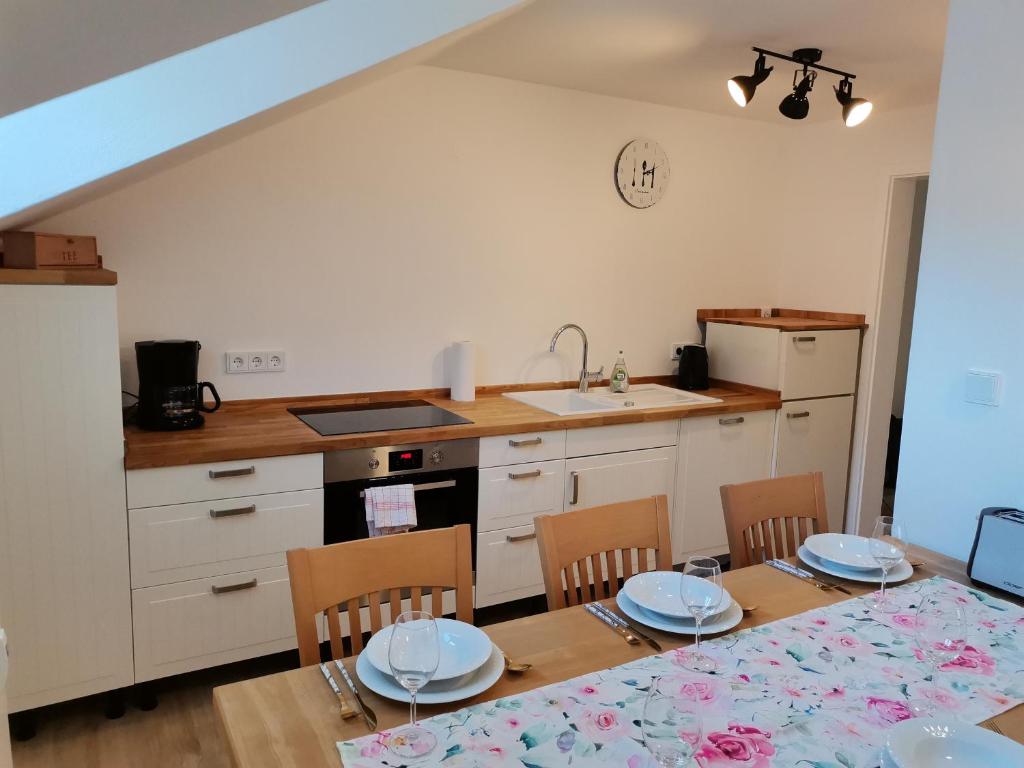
(64, 581)
(816, 372)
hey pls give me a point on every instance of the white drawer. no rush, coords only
(210, 538)
(521, 448)
(591, 441)
(515, 495)
(507, 566)
(818, 363)
(224, 480)
(186, 626)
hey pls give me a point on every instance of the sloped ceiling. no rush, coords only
(681, 52)
(52, 152)
(51, 48)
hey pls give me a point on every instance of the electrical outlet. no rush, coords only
(257, 361)
(676, 350)
(236, 362)
(275, 360)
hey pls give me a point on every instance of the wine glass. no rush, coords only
(702, 595)
(940, 632)
(414, 652)
(888, 546)
(672, 725)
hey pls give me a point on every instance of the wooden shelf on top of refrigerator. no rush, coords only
(80, 276)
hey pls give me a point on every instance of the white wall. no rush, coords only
(958, 457)
(365, 235)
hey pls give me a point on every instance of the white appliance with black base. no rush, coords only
(816, 372)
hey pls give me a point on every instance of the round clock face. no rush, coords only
(642, 173)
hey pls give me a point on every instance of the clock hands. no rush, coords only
(634, 171)
(643, 176)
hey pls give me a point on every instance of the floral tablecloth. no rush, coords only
(816, 690)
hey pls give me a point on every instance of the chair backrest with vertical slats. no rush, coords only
(585, 553)
(323, 579)
(769, 519)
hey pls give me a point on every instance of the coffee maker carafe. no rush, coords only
(170, 394)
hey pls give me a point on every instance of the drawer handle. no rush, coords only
(216, 474)
(233, 587)
(524, 475)
(809, 339)
(216, 513)
(733, 420)
(523, 537)
(575, 487)
(523, 443)
(800, 415)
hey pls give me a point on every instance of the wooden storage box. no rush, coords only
(37, 250)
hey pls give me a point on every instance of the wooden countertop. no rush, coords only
(784, 319)
(252, 429)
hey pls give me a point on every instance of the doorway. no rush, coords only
(894, 325)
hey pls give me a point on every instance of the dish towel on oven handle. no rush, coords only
(390, 509)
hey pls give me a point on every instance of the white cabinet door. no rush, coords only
(814, 435)
(201, 623)
(613, 477)
(514, 495)
(521, 448)
(818, 363)
(507, 566)
(716, 451)
(64, 587)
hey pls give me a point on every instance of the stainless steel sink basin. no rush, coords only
(569, 402)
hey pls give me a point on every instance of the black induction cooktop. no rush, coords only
(376, 417)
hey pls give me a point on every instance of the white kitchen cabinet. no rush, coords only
(715, 451)
(595, 480)
(814, 435)
(507, 566)
(204, 622)
(591, 441)
(514, 495)
(64, 584)
(525, 447)
(178, 542)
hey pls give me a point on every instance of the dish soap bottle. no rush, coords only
(620, 376)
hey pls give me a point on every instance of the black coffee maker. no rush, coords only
(170, 395)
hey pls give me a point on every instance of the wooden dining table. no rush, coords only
(293, 719)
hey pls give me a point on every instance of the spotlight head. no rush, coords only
(855, 111)
(742, 87)
(795, 106)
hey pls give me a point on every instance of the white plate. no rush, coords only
(926, 742)
(901, 572)
(441, 692)
(723, 622)
(464, 649)
(659, 592)
(842, 549)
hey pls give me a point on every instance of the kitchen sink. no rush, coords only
(569, 402)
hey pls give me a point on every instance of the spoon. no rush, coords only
(750, 608)
(514, 668)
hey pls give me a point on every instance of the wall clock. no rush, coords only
(642, 173)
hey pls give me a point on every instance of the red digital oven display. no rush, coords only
(399, 460)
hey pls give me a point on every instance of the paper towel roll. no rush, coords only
(463, 371)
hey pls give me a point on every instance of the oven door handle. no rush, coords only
(424, 487)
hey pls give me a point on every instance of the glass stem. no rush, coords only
(412, 708)
(881, 597)
(698, 618)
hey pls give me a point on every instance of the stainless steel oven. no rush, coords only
(443, 474)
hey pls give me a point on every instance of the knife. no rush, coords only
(808, 575)
(365, 711)
(809, 578)
(346, 709)
(615, 627)
(629, 625)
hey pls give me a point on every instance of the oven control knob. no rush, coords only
(436, 456)
(374, 462)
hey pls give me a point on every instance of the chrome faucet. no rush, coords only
(585, 376)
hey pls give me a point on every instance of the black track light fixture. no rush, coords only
(855, 111)
(742, 87)
(796, 105)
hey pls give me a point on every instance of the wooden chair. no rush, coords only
(572, 540)
(324, 578)
(769, 519)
